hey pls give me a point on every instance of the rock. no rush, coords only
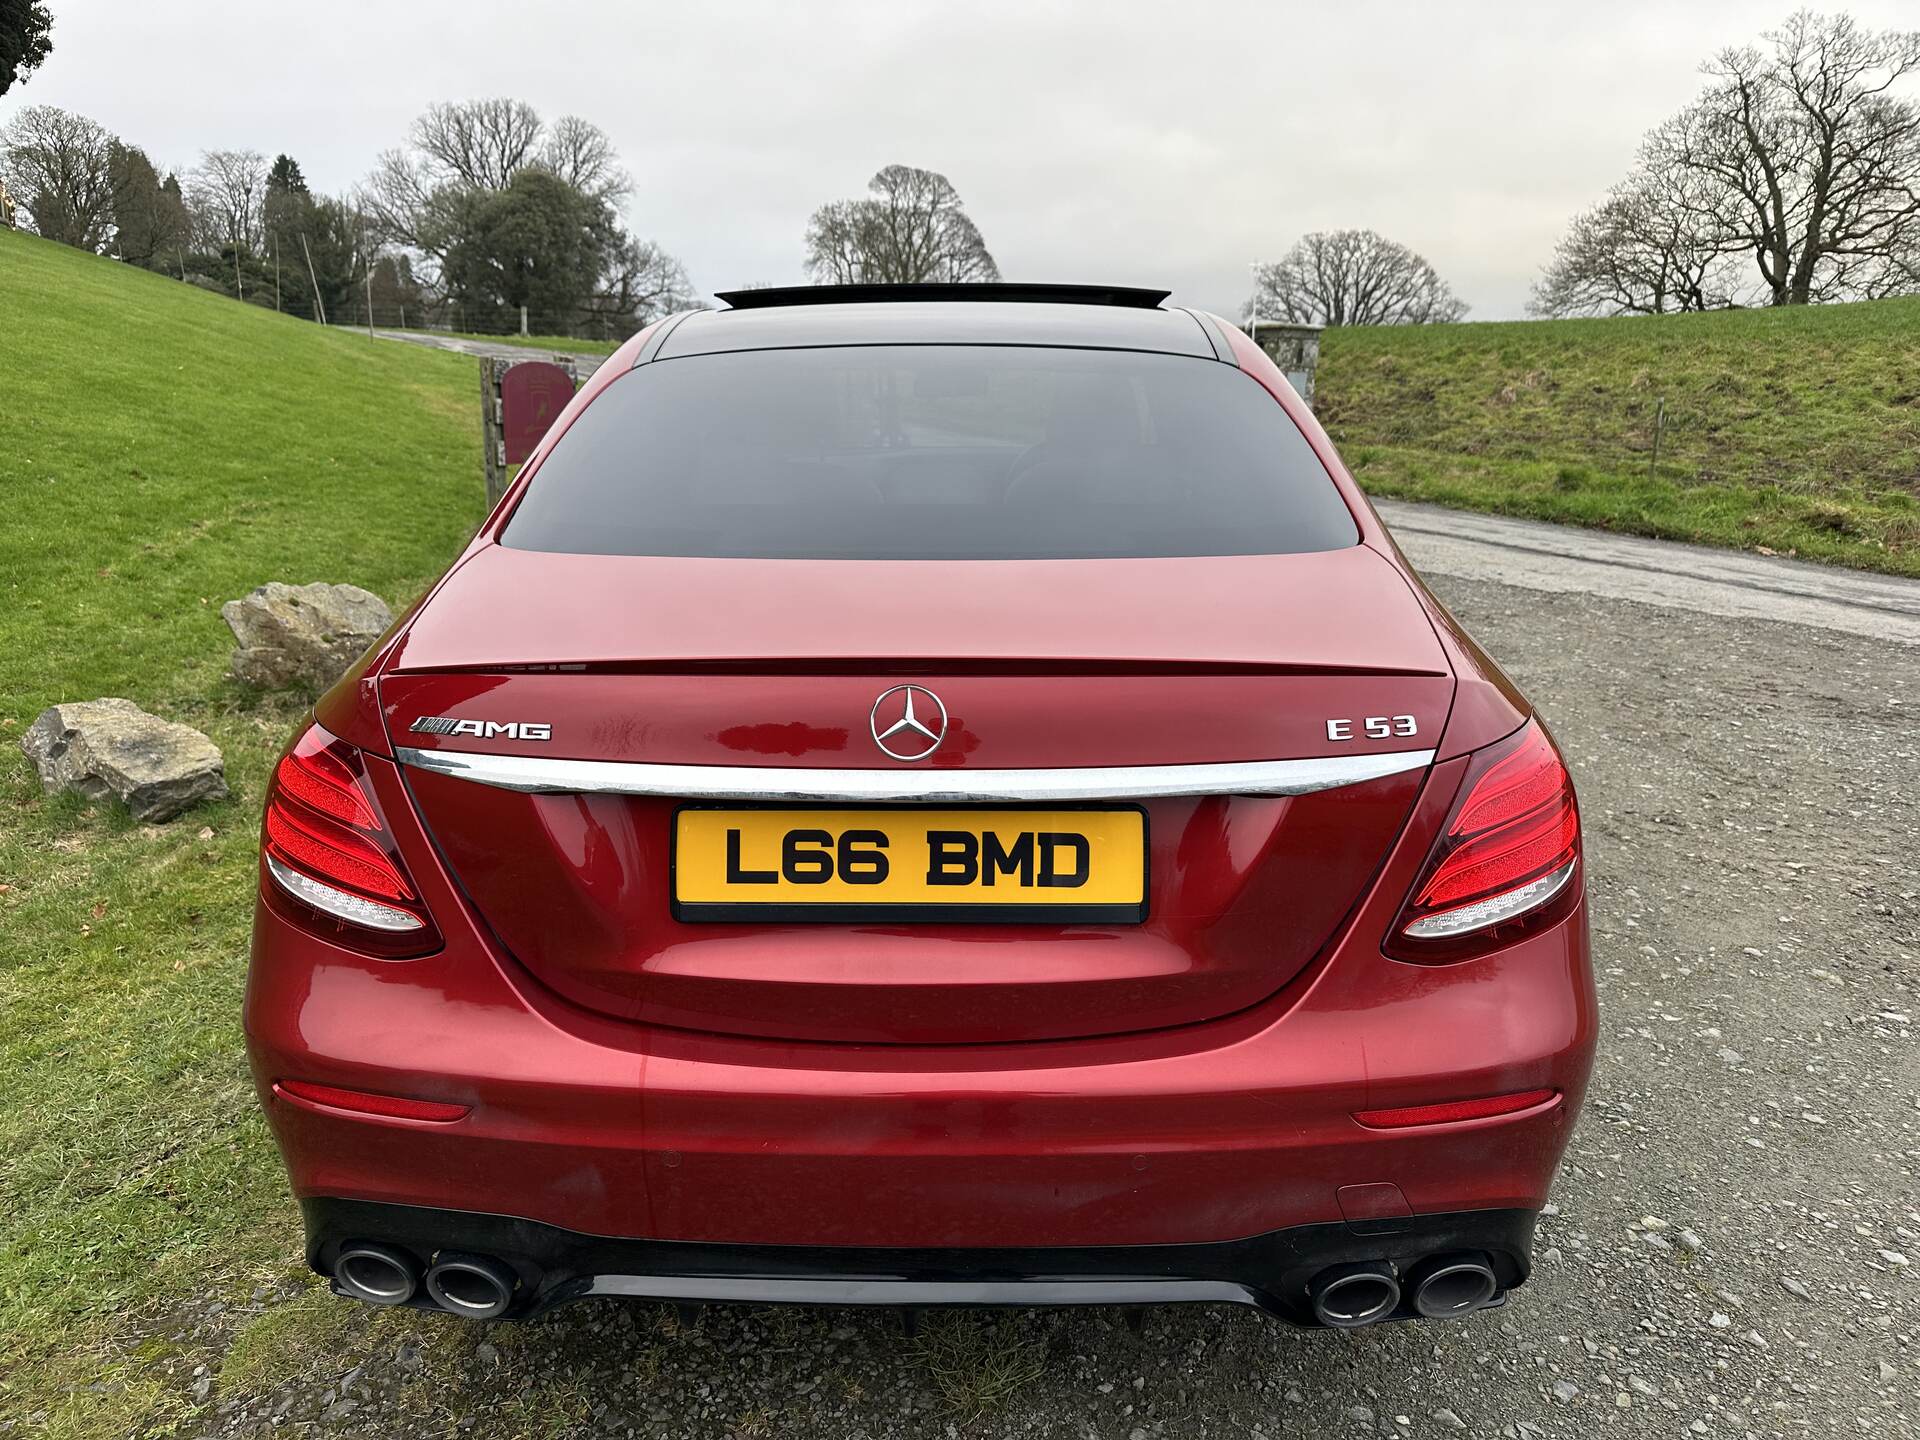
(302, 635)
(1565, 1391)
(112, 747)
(1794, 1287)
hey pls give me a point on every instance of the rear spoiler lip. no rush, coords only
(908, 667)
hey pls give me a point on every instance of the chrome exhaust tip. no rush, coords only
(1450, 1286)
(471, 1286)
(377, 1274)
(1349, 1296)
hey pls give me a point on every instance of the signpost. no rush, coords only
(519, 400)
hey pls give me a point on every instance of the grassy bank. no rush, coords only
(165, 450)
(1793, 430)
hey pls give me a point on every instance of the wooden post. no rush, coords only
(319, 307)
(492, 441)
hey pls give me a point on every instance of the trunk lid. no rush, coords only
(1039, 665)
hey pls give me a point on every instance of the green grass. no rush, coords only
(1793, 430)
(165, 450)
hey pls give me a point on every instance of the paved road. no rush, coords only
(1730, 583)
(585, 362)
(1732, 1245)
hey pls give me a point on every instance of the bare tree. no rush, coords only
(417, 195)
(482, 144)
(1640, 251)
(641, 283)
(582, 154)
(1805, 158)
(497, 208)
(228, 193)
(837, 242)
(1352, 277)
(910, 228)
(59, 168)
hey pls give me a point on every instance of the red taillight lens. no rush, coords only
(329, 857)
(1509, 856)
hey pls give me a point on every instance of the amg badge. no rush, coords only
(484, 729)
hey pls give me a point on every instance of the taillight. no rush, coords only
(330, 857)
(1507, 860)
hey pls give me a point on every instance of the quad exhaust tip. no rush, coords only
(1349, 1296)
(1443, 1287)
(471, 1286)
(1453, 1285)
(377, 1274)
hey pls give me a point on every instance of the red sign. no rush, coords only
(532, 394)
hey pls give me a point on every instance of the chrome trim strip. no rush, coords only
(888, 1290)
(536, 775)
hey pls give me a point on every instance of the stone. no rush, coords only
(302, 635)
(111, 747)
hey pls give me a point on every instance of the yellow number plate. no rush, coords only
(942, 865)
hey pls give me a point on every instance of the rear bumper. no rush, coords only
(1206, 1134)
(553, 1265)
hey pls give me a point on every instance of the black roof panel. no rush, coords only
(938, 322)
(971, 292)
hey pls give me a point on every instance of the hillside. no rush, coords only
(166, 447)
(1793, 430)
(164, 450)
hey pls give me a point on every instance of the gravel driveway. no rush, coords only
(1731, 1247)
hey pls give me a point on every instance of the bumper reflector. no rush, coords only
(393, 1107)
(1448, 1111)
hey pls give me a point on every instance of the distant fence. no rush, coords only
(440, 315)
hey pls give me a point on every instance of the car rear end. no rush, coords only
(929, 803)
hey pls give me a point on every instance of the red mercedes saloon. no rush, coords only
(925, 795)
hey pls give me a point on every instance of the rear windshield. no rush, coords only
(932, 452)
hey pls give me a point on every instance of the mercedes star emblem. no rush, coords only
(908, 722)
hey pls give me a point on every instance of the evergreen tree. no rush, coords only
(23, 40)
(285, 177)
(149, 215)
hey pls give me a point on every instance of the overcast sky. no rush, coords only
(1154, 144)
